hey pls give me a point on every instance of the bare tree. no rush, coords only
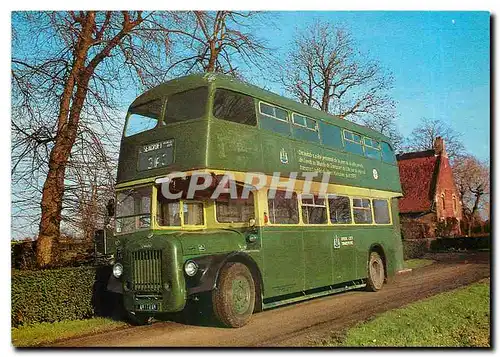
(323, 69)
(388, 127)
(424, 135)
(218, 41)
(67, 69)
(473, 182)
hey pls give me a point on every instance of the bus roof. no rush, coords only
(225, 81)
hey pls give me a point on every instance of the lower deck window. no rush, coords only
(313, 209)
(381, 211)
(362, 210)
(283, 210)
(229, 210)
(133, 209)
(169, 214)
(176, 213)
(340, 209)
(193, 213)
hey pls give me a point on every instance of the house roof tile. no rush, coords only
(417, 171)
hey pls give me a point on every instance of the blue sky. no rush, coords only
(440, 61)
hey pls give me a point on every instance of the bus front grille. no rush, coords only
(146, 271)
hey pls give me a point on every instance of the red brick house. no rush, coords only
(430, 205)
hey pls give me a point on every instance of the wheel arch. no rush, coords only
(211, 267)
(241, 257)
(378, 248)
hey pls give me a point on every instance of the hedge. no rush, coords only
(414, 248)
(58, 294)
(461, 243)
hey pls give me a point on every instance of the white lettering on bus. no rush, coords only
(228, 184)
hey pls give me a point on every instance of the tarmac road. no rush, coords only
(303, 323)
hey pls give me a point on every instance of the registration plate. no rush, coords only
(148, 307)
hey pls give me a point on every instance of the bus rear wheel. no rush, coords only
(376, 272)
(233, 299)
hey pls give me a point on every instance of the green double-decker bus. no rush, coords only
(320, 217)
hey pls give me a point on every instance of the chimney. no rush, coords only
(439, 148)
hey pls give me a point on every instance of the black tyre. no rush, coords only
(376, 272)
(139, 319)
(233, 299)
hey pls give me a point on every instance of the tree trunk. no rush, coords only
(67, 124)
(325, 100)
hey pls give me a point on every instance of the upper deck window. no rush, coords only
(388, 153)
(304, 128)
(143, 117)
(235, 107)
(372, 148)
(331, 135)
(190, 104)
(272, 111)
(303, 121)
(353, 143)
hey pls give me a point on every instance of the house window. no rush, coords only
(443, 202)
(454, 204)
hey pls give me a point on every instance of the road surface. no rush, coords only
(304, 323)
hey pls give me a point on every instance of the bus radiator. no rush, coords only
(146, 271)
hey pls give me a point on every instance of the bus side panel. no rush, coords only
(344, 254)
(318, 260)
(397, 240)
(283, 260)
(234, 147)
(365, 238)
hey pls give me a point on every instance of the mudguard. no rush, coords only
(209, 267)
(114, 285)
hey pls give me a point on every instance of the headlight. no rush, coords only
(191, 268)
(117, 270)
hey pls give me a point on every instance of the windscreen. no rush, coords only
(143, 117)
(190, 104)
(186, 105)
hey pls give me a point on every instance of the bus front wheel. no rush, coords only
(376, 274)
(233, 299)
(139, 319)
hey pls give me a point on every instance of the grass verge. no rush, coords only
(417, 263)
(44, 333)
(460, 318)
